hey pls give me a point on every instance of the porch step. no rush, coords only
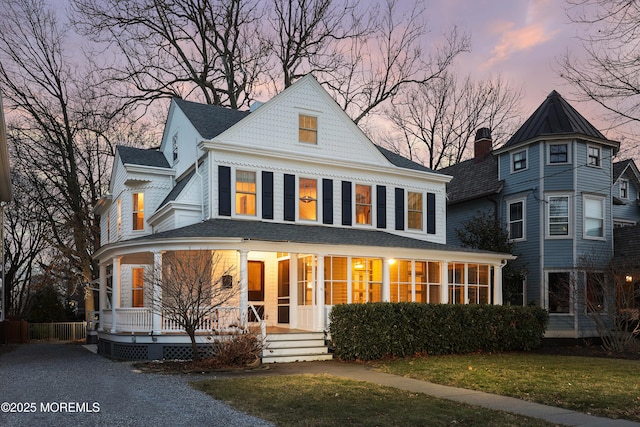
(295, 347)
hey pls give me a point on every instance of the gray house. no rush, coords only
(556, 188)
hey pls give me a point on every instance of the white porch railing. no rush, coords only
(131, 320)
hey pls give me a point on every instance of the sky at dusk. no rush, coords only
(519, 39)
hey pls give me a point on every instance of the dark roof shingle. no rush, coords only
(473, 178)
(400, 161)
(279, 232)
(142, 157)
(210, 120)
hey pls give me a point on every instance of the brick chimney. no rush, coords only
(483, 144)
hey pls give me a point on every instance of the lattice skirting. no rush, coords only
(149, 351)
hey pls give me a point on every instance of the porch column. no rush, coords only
(115, 294)
(497, 284)
(444, 290)
(320, 316)
(103, 294)
(386, 280)
(244, 287)
(293, 291)
(156, 303)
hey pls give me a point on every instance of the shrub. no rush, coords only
(375, 330)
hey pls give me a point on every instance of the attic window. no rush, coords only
(624, 189)
(308, 129)
(175, 147)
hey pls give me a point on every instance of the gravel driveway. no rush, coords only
(66, 385)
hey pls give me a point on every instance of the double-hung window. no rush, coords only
(137, 287)
(245, 193)
(414, 210)
(138, 211)
(308, 129)
(519, 161)
(624, 189)
(593, 156)
(593, 217)
(558, 215)
(363, 204)
(516, 219)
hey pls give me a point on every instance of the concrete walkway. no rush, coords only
(486, 400)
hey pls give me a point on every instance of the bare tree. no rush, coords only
(435, 122)
(607, 69)
(59, 130)
(189, 289)
(25, 245)
(609, 300)
(205, 50)
(391, 57)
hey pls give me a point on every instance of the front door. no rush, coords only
(256, 289)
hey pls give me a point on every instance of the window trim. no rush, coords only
(626, 188)
(599, 164)
(570, 225)
(509, 202)
(422, 211)
(551, 144)
(257, 206)
(600, 199)
(526, 160)
(307, 129)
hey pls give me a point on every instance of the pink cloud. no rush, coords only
(515, 40)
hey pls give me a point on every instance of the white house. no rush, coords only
(295, 196)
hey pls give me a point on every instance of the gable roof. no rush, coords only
(142, 157)
(554, 116)
(620, 167)
(472, 179)
(210, 120)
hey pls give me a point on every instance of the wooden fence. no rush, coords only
(58, 331)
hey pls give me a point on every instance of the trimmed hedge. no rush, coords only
(375, 330)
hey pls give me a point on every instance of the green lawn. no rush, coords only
(321, 400)
(605, 387)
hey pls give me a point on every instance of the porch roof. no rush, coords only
(297, 233)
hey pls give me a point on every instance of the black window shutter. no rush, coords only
(267, 195)
(381, 200)
(289, 197)
(346, 203)
(431, 213)
(224, 190)
(327, 201)
(399, 209)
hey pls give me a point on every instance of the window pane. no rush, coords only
(558, 153)
(308, 191)
(308, 129)
(138, 211)
(559, 292)
(594, 218)
(245, 193)
(414, 210)
(363, 204)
